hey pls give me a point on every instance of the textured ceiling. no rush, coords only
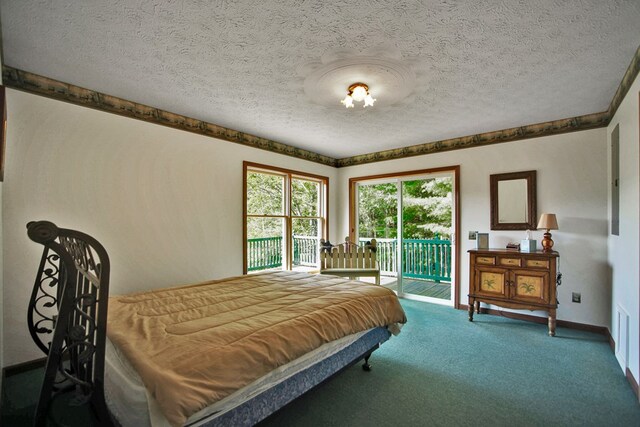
(479, 66)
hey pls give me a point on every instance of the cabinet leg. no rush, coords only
(470, 308)
(478, 307)
(552, 323)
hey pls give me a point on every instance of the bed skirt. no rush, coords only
(128, 401)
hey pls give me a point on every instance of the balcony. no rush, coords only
(427, 262)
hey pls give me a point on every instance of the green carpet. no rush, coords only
(443, 370)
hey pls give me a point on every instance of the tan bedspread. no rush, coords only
(196, 344)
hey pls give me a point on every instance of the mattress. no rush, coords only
(132, 405)
(195, 345)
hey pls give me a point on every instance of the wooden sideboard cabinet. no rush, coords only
(513, 279)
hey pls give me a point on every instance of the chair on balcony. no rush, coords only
(349, 260)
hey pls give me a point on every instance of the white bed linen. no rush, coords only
(129, 402)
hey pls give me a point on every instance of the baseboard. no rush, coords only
(602, 330)
(17, 369)
(612, 342)
(23, 367)
(1, 392)
(632, 382)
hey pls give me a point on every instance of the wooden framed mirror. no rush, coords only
(513, 201)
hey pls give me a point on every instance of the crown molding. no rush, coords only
(573, 124)
(625, 84)
(45, 86)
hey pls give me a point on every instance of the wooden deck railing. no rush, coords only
(423, 259)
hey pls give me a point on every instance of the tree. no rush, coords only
(377, 211)
(265, 196)
(426, 209)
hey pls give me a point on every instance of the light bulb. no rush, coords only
(368, 101)
(359, 93)
(348, 101)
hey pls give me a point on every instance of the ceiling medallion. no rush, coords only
(389, 78)
(358, 92)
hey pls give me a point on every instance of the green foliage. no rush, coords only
(304, 197)
(266, 196)
(377, 211)
(426, 209)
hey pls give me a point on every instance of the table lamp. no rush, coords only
(547, 222)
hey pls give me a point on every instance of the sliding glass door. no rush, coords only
(412, 220)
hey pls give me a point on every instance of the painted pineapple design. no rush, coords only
(527, 288)
(491, 282)
(530, 286)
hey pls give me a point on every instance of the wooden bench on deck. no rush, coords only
(349, 260)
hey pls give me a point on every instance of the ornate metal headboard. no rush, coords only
(67, 316)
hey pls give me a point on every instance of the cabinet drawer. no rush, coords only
(537, 263)
(517, 262)
(486, 260)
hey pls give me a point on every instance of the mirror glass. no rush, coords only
(513, 201)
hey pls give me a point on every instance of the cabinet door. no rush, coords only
(530, 286)
(491, 282)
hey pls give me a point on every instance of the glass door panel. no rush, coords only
(426, 238)
(411, 219)
(377, 216)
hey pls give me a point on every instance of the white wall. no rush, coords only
(166, 204)
(624, 253)
(571, 182)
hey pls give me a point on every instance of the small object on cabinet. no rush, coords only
(515, 246)
(482, 240)
(528, 244)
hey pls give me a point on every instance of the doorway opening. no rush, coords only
(414, 217)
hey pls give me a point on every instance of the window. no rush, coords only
(285, 216)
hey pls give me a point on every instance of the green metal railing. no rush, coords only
(423, 259)
(266, 252)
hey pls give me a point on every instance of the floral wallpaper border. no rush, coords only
(41, 85)
(555, 127)
(34, 83)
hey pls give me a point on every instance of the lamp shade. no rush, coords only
(548, 221)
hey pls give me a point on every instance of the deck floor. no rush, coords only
(421, 287)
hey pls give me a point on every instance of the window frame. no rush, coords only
(288, 175)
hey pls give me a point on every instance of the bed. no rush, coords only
(222, 352)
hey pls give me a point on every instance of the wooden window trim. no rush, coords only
(291, 174)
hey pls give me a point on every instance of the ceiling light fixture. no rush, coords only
(358, 92)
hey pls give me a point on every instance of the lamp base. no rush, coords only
(547, 242)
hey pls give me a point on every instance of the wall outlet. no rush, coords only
(472, 235)
(576, 297)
